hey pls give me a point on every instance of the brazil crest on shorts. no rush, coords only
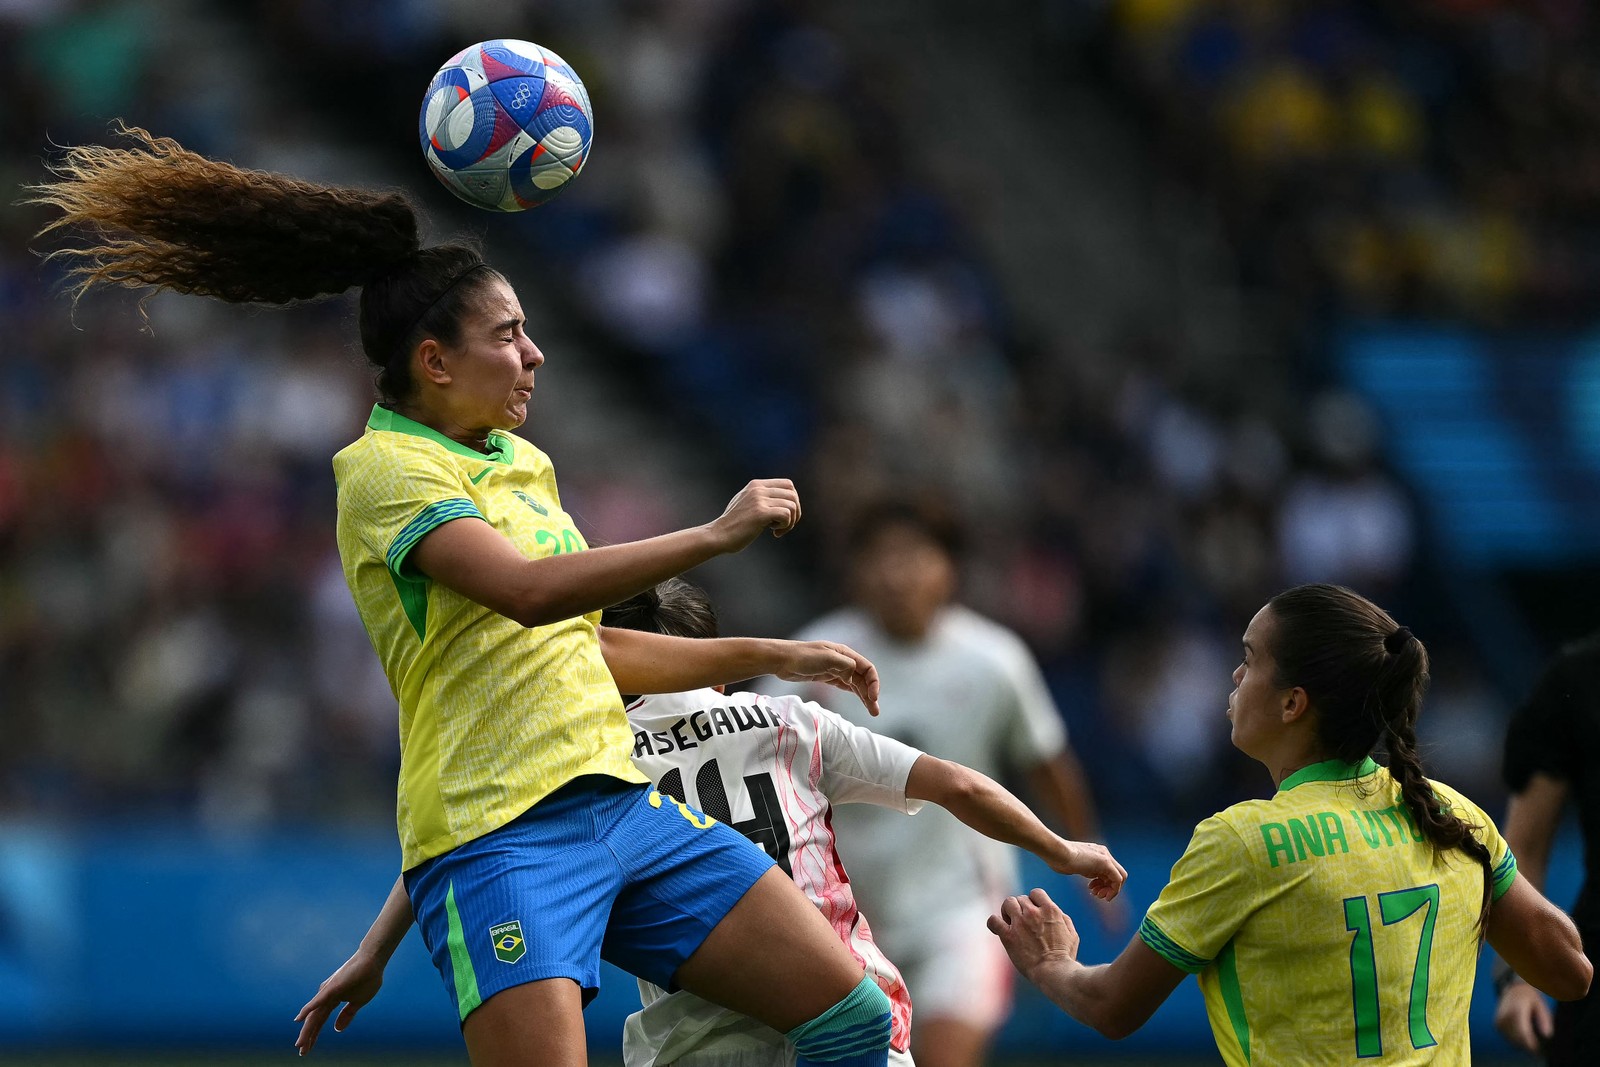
(507, 940)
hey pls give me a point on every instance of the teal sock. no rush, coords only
(852, 1033)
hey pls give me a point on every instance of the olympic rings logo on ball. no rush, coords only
(520, 98)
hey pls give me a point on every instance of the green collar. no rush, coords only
(382, 418)
(1333, 770)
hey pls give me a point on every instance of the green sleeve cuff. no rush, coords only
(435, 514)
(1170, 950)
(1505, 872)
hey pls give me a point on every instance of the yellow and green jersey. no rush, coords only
(493, 715)
(1324, 928)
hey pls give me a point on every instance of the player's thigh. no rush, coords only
(773, 957)
(537, 1024)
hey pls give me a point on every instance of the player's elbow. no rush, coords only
(1114, 1023)
(1115, 1029)
(1573, 982)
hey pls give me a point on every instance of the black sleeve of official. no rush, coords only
(1541, 736)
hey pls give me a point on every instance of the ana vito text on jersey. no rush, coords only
(1323, 833)
(700, 726)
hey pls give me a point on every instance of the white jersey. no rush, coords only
(772, 768)
(969, 692)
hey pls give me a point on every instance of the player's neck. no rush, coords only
(475, 438)
(909, 631)
(1288, 762)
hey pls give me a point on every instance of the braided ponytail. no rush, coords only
(1366, 677)
(158, 216)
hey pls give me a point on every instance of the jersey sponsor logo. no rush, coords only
(507, 940)
(480, 476)
(532, 503)
(689, 731)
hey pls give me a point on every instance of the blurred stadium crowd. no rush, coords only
(755, 249)
(1435, 157)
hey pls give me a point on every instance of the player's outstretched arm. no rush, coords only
(643, 662)
(360, 977)
(992, 810)
(1540, 942)
(1114, 998)
(477, 561)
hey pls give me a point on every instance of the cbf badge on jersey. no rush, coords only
(507, 939)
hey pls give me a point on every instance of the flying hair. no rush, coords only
(156, 215)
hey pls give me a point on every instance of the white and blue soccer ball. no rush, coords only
(506, 125)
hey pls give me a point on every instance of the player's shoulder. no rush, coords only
(377, 451)
(1235, 823)
(788, 708)
(1458, 802)
(981, 636)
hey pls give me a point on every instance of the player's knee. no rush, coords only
(852, 1033)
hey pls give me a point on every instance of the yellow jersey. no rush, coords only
(1324, 928)
(494, 715)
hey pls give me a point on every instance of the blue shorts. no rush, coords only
(599, 869)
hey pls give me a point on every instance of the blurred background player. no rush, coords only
(1355, 886)
(1552, 755)
(770, 767)
(967, 687)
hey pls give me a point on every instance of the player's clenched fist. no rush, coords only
(1034, 931)
(765, 504)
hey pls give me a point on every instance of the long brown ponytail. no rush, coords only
(155, 215)
(1366, 675)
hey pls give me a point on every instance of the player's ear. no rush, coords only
(431, 362)
(1295, 705)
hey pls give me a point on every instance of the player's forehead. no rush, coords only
(495, 302)
(1259, 630)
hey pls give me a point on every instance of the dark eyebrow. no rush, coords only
(509, 324)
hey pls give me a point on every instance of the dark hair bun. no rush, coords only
(1397, 640)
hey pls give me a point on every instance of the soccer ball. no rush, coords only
(506, 125)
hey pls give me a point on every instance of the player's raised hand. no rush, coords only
(764, 504)
(832, 664)
(1523, 1017)
(1093, 862)
(355, 983)
(1034, 931)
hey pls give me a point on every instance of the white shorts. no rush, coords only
(955, 970)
